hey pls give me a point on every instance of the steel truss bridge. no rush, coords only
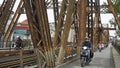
(73, 21)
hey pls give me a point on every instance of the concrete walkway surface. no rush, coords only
(103, 59)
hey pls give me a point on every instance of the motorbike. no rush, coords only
(100, 47)
(19, 45)
(84, 56)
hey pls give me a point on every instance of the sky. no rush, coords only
(104, 17)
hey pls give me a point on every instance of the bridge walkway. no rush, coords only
(103, 59)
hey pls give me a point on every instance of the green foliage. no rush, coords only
(112, 21)
(117, 6)
(117, 9)
(26, 42)
(117, 42)
(118, 32)
(104, 5)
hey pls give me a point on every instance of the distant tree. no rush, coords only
(118, 32)
(116, 4)
(112, 22)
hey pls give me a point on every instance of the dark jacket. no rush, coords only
(87, 43)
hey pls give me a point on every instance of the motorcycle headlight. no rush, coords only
(85, 47)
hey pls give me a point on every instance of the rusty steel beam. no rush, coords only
(101, 36)
(14, 21)
(66, 30)
(40, 31)
(59, 32)
(56, 11)
(58, 29)
(108, 34)
(109, 28)
(6, 10)
(57, 38)
(43, 20)
(5, 15)
(111, 8)
(96, 23)
(36, 11)
(9, 61)
(2, 7)
(90, 19)
(82, 12)
(33, 29)
(105, 35)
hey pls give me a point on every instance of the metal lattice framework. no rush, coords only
(76, 20)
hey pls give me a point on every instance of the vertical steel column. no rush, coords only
(90, 19)
(58, 31)
(60, 21)
(37, 16)
(44, 25)
(82, 12)
(33, 30)
(96, 24)
(107, 33)
(66, 30)
(99, 30)
(56, 11)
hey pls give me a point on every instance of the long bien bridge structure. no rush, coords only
(53, 44)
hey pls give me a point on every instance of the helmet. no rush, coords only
(18, 36)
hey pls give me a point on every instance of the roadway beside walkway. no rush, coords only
(102, 59)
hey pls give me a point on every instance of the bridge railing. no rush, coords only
(70, 51)
(10, 45)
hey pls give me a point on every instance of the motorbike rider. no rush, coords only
(19, 42)
(88, 43)
(100, 46)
